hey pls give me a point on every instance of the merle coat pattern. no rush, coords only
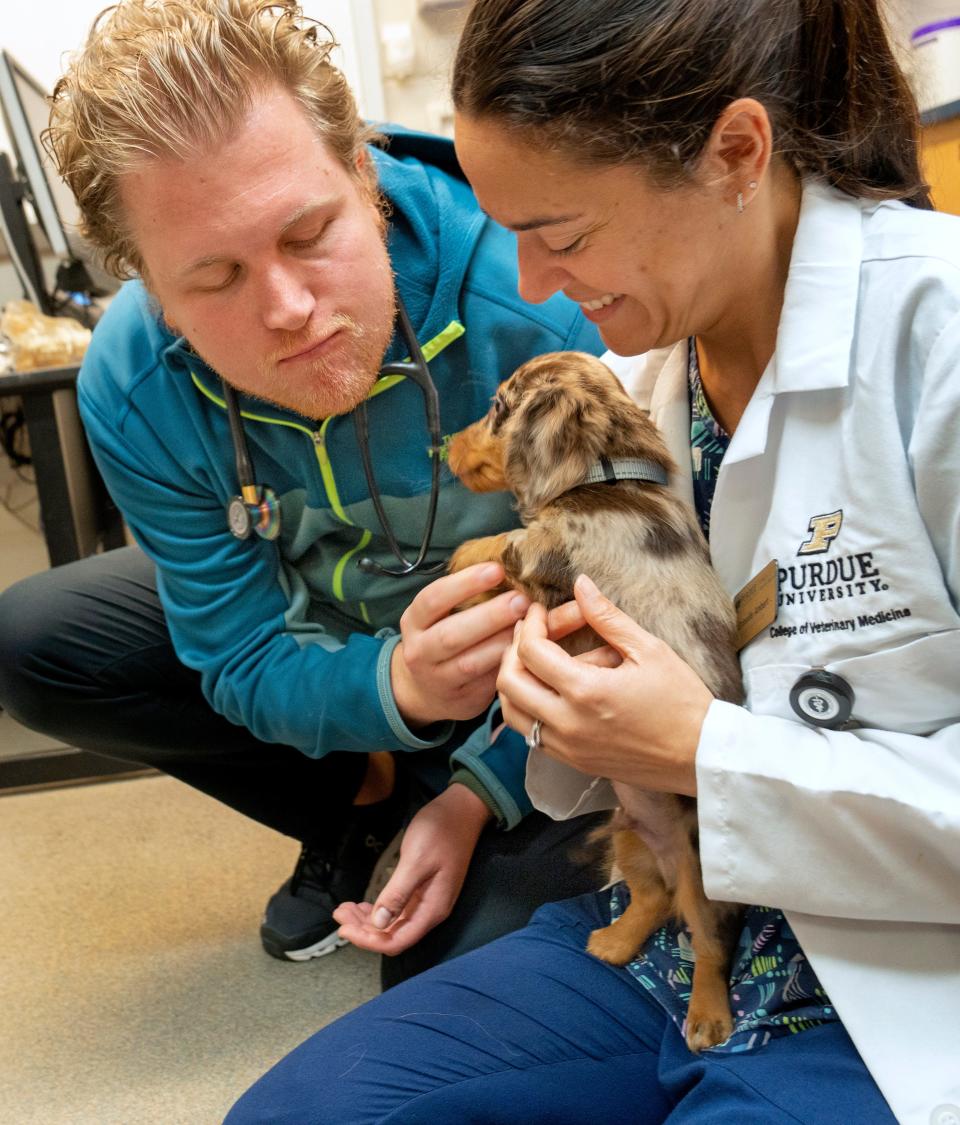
(642, 546)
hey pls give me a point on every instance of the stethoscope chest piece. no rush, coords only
(262, 517)
(822, 699)
(239, 519)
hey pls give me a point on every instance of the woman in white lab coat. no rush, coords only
(732, 192)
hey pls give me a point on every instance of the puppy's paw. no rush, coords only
(613, 944)
(705, 1029)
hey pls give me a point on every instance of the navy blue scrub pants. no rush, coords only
(86, 657)
(531, 1030)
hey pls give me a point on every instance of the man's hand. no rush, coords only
(445, 667)
(434, 857)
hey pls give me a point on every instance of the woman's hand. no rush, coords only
(434, 857)
(445, 667)
(631, 711)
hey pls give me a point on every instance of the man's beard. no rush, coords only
(332, 383)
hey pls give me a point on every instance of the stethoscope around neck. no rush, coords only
(256, 510)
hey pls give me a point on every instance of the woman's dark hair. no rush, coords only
(622, 81)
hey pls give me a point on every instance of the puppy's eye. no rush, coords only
(498, 412)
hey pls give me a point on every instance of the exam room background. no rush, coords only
(147, 999)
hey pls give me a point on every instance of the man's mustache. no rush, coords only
(293, 343)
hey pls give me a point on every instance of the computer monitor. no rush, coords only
(16, 232)
(26, 111)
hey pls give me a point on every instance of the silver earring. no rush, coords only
(750, 187)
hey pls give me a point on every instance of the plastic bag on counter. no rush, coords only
(37, 341)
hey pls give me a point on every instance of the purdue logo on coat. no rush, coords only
(823, 530)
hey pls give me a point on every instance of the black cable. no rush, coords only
(12, 435)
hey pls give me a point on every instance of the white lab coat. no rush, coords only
(855, 834)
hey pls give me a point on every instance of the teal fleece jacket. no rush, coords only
(291, 639)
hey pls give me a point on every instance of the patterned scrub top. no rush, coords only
(773, 988)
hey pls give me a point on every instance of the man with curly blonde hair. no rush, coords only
(218, 160)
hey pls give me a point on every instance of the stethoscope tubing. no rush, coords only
(415, 369)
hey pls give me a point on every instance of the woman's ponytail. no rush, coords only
(856, 110)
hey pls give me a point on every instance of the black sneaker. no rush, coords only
(298, 924)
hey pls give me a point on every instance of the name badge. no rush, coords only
(756, 604)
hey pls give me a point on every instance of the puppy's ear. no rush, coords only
(570, 411)
(551, 439)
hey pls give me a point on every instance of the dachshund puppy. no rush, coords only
(589, 471)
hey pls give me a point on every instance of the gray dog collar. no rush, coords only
(625, 468)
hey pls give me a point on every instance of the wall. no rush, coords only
(421, 101)
(933, 65)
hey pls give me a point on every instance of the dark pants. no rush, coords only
(532, 1030)
(85, 657)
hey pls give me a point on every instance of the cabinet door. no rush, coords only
(941, 163)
